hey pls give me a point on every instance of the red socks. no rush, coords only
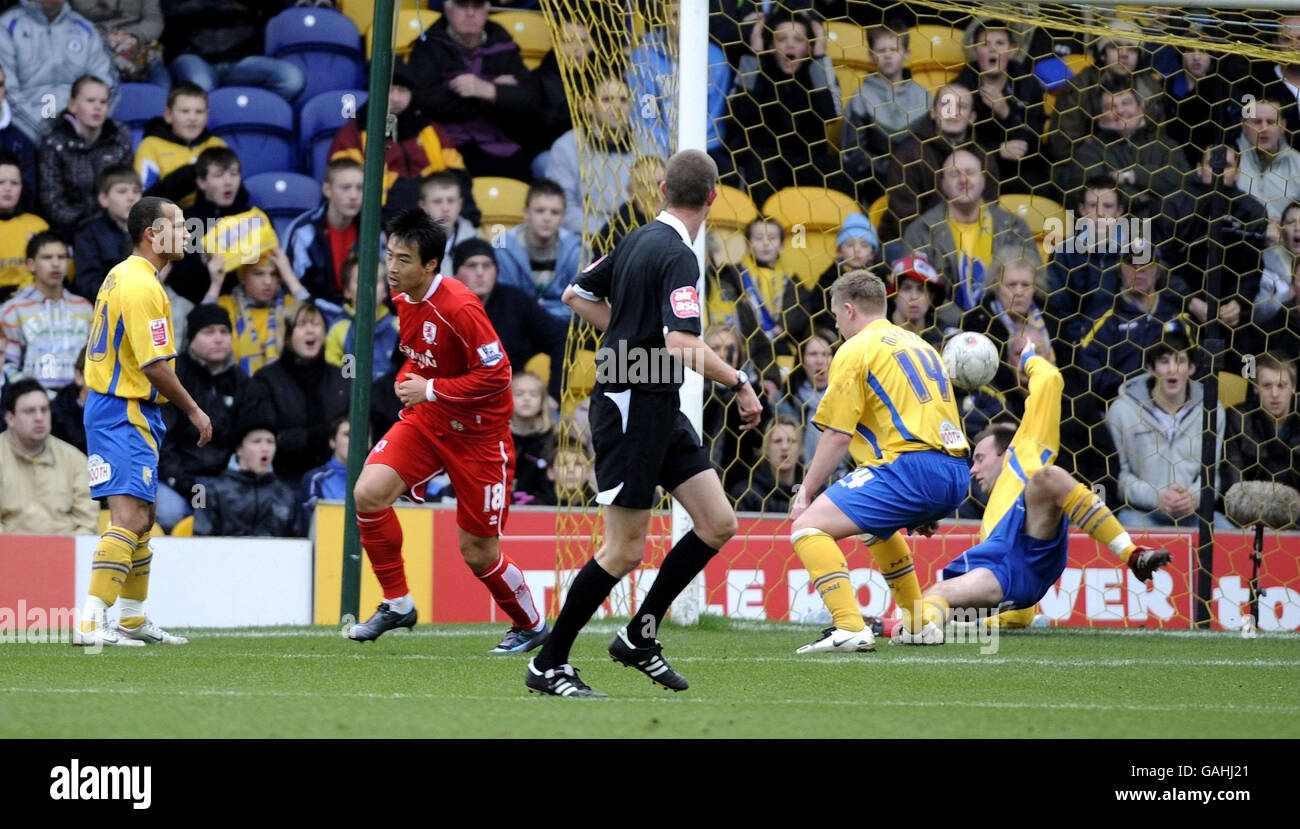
(381, 535)
(505, 581)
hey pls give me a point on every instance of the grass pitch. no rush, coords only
(745, 682)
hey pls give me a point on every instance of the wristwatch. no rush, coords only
(741, 382)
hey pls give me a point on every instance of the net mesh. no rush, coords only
(1047, 159)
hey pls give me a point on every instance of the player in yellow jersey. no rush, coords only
(128, 375)
(1024, 534)
(888, 387)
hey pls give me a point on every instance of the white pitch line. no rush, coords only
(748, 702)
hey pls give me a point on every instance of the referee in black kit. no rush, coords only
(643, 297)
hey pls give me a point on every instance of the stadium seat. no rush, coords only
(500, 200)
(936, 46)
(360, 12)
(813, 214)
(410, 24)
(283, 197)
(933, 77)
(1232, 389)
(136, 104)
(876, 212)
(320, 119)
(846, 45)
(1035, 210)
(581, 379)
(731, 212)
(539, 364)
(258, 126)
(323, 43)
(529, 30)
(850, 80)
(184, 527)
(1077, 63)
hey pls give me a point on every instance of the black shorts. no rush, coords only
(642, 440)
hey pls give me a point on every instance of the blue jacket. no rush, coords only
(1112, 351)
(328, 481)
(307, 243)
(652, 61)
(100, 245)
(514, 269)
(14, 142)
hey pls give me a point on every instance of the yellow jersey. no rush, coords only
(132, 328)
(888, 389)
(1034, 445)
(15, 233)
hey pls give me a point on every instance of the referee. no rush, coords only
(643, 297)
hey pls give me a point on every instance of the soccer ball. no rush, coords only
(971, 359)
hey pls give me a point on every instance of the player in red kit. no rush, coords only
(455, 387)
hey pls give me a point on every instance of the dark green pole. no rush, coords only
(381, 72)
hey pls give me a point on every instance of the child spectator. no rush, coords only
(570, 471)
(750, 298)
(540, 257)
(644, 201)
(1156, 425)
(442, 197)
(420, 147)
(206, 367)
(321, 239)
(807, 385)
(883, 111)
(249, 500)
(917, 290)
(306, 394)
(45, 326)
(103, 241)
(776, 479)
(173, 142)
(787, 94)
(36, 69)
(808, 307)
(80, 145)
(219, 178)
(258, 308)
(535, 435)
(1262, 435)
(68, 408)
(14, 142)
(471, 77)
(340, 341)
(1269, 166)
(732, 452)
(328, 481)
(16, 229)
(46, 491)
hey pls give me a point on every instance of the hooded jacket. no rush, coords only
(420, 149)
(240, 503)
(1157, 450)
(69, 166)
(514, 268)
(43, 57)
(1113, 349)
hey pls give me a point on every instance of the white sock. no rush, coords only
(541, 623)
(94, 613)
(130, 607)
(402, 604)
(1120, 543)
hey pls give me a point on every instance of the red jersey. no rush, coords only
(446, 335)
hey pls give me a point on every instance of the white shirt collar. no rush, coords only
(677, 225)
(433, 286)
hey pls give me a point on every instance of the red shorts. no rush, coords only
(481, 468)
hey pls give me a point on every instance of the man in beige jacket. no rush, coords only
(43, 484)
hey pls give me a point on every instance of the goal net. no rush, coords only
(1110, 183)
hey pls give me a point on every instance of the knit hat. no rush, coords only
(470, 248)
(203, 315)
(857, 226)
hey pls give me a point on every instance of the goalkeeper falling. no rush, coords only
(1024, 535)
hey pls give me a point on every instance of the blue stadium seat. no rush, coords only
(320, 119)
(283, 197)
(258, 126)
(136, 104)
(323, 43)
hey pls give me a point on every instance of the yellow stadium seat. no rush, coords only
(936, 46)
(833, 129)
(785, 362)
(815, 207)
(846, 45)
(529, 30)
(876, 212)
(582, 375)
(1077, 63)
(410, 24)
(360, 12)
(540, 364)
(850, 80)
(1035, 210)
(1232, 388)
(1049, 105)
(933, 77)
(500, 200)
(184, 527)
(731, 213)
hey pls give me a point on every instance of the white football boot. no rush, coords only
(150, 634)
(835, 640)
